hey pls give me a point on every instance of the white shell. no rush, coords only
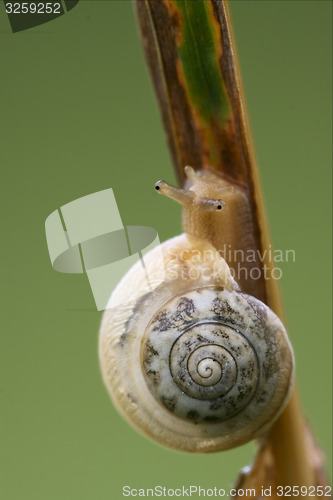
(195, 364)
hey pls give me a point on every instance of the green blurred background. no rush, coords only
(78, 116)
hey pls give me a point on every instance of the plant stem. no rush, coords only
(288, 443)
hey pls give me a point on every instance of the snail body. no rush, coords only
(195, 364)
(219, 212)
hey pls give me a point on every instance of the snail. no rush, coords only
(195, 363)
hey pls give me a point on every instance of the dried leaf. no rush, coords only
(188, 46)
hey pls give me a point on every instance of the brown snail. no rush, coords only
(195, 364)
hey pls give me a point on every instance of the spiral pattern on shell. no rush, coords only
(202, 373)
(211, 364)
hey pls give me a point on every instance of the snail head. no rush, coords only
(198, 191)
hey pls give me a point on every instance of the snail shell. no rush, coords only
(194, 364)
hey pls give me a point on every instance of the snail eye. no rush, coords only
(212, 205)
(219, 204)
